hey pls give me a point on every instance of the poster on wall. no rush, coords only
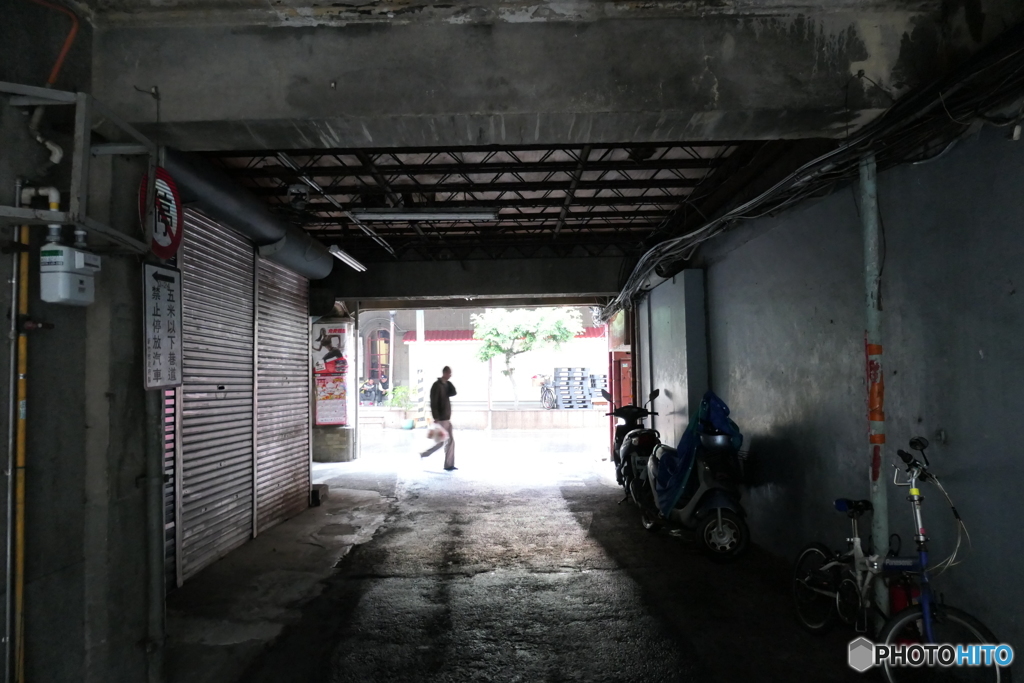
(330, 372)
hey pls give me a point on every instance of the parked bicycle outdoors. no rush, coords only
(839, 586)
(547, 391)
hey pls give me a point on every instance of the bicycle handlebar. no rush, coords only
(905, 457)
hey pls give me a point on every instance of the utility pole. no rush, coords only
(391, 353)
(873, 262)
(490, 385)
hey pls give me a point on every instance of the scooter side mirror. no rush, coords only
(918, 443)
(606, 395)
(654, 394)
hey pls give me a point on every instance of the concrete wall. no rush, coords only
(85, 569)
(678, 344)
(462, 282)
(786, 324)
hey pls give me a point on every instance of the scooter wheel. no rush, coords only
(650, 521)
(725, 543)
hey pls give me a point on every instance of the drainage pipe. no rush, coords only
(873, 261)
(222, 199)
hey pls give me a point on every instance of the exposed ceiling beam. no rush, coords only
(624, 201)
(584, 155)
(339, 171)
(535, 186)
(470, 149)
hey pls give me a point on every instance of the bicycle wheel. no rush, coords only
(547, 399)
(949, 625)
(814, 589)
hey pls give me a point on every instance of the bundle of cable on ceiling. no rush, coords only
(987, 90)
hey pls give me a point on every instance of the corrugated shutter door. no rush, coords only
(217, 392)
(282, 395)
(170, 497)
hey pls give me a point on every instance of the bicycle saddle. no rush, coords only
(853, 507)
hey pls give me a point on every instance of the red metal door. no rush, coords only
(620, 380)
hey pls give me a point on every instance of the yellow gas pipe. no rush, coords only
(20, 450)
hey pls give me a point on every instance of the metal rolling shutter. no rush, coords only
(217, 392)
(282, 395)
(170, 496)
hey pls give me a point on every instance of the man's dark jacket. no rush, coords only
(440, 405)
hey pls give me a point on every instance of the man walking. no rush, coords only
(441, 409)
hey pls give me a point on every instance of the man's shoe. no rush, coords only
(449, 469)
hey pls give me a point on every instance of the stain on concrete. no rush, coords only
(502, 572)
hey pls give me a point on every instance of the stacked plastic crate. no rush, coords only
(572, 388)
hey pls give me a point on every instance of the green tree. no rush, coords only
(508, 333)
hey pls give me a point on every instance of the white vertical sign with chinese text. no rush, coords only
(162, 324)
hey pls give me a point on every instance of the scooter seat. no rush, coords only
(661, 449)
(853, 507)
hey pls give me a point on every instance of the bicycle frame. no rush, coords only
(866, 568)
(920, 564)
(862, 565)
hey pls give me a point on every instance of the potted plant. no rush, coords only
(397, 401)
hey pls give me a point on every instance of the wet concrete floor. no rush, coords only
(523, 566)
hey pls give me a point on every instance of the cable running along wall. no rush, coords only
(921, 125)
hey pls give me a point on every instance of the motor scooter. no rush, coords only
(710, 500)
(632, 446)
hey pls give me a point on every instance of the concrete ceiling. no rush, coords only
(771, 81)
(296, 74)
(341, 12)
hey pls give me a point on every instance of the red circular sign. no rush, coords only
(165, 235)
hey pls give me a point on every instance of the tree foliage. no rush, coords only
(508, 333)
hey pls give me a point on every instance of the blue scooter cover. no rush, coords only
(675, 468)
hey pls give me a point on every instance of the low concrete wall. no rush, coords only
(376, 417)
(509, 419)
(333, 444)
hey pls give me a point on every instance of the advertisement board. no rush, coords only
(330, 373)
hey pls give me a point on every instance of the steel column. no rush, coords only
(155, 589)
(356, 364)
(179, 397)
(81, 158)
(11, 421)
(255, 390)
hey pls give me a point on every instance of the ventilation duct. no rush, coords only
(210, 190)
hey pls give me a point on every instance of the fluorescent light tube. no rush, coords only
(406, 215)
(337, 253)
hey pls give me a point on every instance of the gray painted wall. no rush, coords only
(786, 330)
(678, 342)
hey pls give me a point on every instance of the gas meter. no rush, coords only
(66, 275)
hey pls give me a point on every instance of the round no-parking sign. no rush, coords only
(165, 233)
